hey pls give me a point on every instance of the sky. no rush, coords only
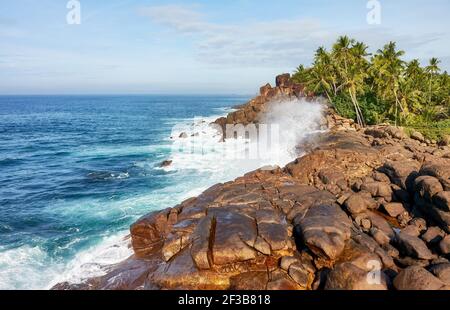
(195, 47)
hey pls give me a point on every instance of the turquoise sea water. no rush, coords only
(76, 171)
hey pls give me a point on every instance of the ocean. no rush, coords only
(76, 171)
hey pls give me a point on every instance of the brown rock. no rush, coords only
(325, 229)
(265, 90)
(250, 281)
(202, 239)
(393, 209)
(280, 281)
(301, 275)
(440, 170)
(359, 202)
(275, 235)
(347, 276)
(442, 271)
(415, 135)
(433, 235)
(283, 80)
(402, 173)
(416, 278)
(442, 201)
(378, 189)
(148, 232)
(444, 245)
(427, 187)
(380, 237)
(413, 246)
(166, 163)
(235, 235)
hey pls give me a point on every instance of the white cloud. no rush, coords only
(278, 43)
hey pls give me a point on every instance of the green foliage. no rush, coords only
(381, 87)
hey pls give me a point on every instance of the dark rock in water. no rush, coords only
(166, 163)
(183, 135)
(416, 278)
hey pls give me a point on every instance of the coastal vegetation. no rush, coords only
(380, 87)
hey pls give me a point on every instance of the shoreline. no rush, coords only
(359, 196)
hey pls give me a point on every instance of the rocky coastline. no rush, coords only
(364, 209)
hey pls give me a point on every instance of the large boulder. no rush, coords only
(416, 278)
(438, 169)
(234, 237)
(360, 202)
(402, 173)
(325, 229)
(148, 233)
(413, 246)
(283, 80)
(347, 276)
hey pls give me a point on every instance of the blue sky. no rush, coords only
(233, 46)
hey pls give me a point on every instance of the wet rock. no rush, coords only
(183, 135)
(417, 278)
(413, 246)
(165, 163)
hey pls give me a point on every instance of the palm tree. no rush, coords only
(349, 69)
(387, 69)
(432, 69)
